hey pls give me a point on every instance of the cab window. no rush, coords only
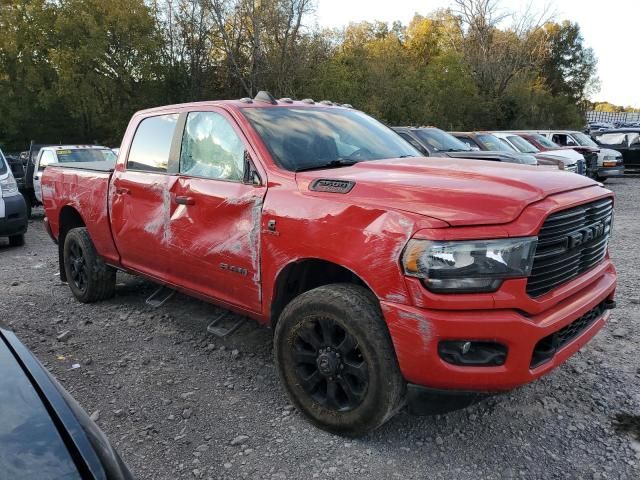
(152, 143)
(211, 148)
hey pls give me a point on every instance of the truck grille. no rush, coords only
(546, 348)
(570, 242)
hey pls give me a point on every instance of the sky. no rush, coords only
(609, 27)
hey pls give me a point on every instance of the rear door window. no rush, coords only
(211, 148)
(3, 164)
(152, 143)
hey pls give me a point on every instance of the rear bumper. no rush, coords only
(416, 333)
(15, 221)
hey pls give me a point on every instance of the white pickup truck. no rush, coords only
(67, 154)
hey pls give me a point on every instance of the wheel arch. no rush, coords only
(302, 275)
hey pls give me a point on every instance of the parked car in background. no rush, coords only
(568, 160)
(587, 166)
(13, 208)
(486, 141)
(28, 159)
(626, 141)
(17, 168)
(460, 278)
(67, 154)
(610, 162)
(44, 433)
(433, 142)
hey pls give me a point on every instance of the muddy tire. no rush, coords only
(16, 240)
(336, 360)
(90, 279)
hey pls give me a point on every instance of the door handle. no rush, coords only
(122, 191)
(181, 200)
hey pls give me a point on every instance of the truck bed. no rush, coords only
(81, 190)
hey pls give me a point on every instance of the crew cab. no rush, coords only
(389, 279)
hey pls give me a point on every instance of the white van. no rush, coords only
(13, 209)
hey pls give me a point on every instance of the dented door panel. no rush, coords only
(216, 239)
(141, 210)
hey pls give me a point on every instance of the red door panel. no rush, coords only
(141, 209)
(216, 239)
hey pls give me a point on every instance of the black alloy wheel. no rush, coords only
(329, 365)
(78, 267)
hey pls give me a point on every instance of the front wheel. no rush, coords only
(90, 279)
(336, 360)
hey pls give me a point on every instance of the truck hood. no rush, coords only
(457, 191)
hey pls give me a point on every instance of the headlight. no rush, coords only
(8, 187)
(610, 157)
(468, 266)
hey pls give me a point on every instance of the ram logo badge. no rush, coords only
(331, 186)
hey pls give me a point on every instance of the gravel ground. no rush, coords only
(178, 403)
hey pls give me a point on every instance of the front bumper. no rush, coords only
(416, 333)
(611, 171)
(15, 221)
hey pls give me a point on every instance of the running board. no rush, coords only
(161, 296)
(217, 328)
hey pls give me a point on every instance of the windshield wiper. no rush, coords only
(339, 162)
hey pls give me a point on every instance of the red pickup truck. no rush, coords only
(389, 279)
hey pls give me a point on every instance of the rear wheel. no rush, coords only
(90, 279)
(16, 240)
(336, 359)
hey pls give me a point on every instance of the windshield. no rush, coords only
(302, 138)
(522, 145)
(85, 155)
(493, 143)
(583, 139)
(544, 141)
(441, 141)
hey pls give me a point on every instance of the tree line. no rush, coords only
(75, 70)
